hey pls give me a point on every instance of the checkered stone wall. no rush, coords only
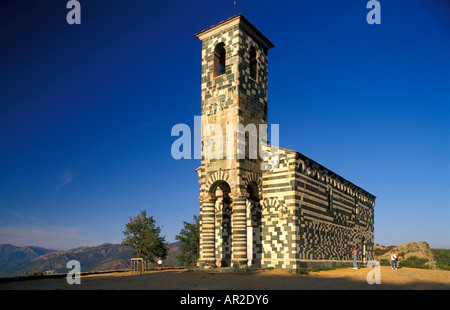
(335, 215)
(313, 216)
(280, 235)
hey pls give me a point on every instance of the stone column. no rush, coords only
(239, 233)
(207, 257)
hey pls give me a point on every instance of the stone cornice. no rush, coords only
(232, 21)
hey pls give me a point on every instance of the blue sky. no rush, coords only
(86, 111)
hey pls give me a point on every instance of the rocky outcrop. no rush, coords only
(419, 249)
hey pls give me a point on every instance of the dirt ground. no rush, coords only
(338, 279)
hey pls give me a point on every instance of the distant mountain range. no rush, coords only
(17, 261)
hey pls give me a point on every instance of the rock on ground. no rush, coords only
(420, 249)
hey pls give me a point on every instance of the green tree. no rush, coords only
(190, 242)
(442, 257)
(143, 236)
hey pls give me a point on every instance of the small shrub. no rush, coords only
(414, 262)
(322, 269)
(385, 262)
(343, 266)
(302, 271)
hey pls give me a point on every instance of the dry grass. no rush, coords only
(337, 279)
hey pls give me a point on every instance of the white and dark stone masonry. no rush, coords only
(299, 214)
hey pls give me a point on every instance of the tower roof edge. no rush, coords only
(238, 19)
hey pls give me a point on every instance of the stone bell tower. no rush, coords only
(233, 93)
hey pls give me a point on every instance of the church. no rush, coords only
(292, 215)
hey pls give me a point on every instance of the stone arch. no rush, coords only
(217, 176)
(253, 182)
(273, 205)
(218, 179)
(223, 186)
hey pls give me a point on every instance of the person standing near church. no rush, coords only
(394, 258)
(159, 264)
(355, 256)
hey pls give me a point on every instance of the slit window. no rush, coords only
(356, 207)
(253, 63)
(330, 198)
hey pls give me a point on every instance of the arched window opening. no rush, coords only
(253, 63)
(252, 191)
(219, 59)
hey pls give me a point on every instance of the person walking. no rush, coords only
(159, 264)
(355, 256)
(394, 258)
